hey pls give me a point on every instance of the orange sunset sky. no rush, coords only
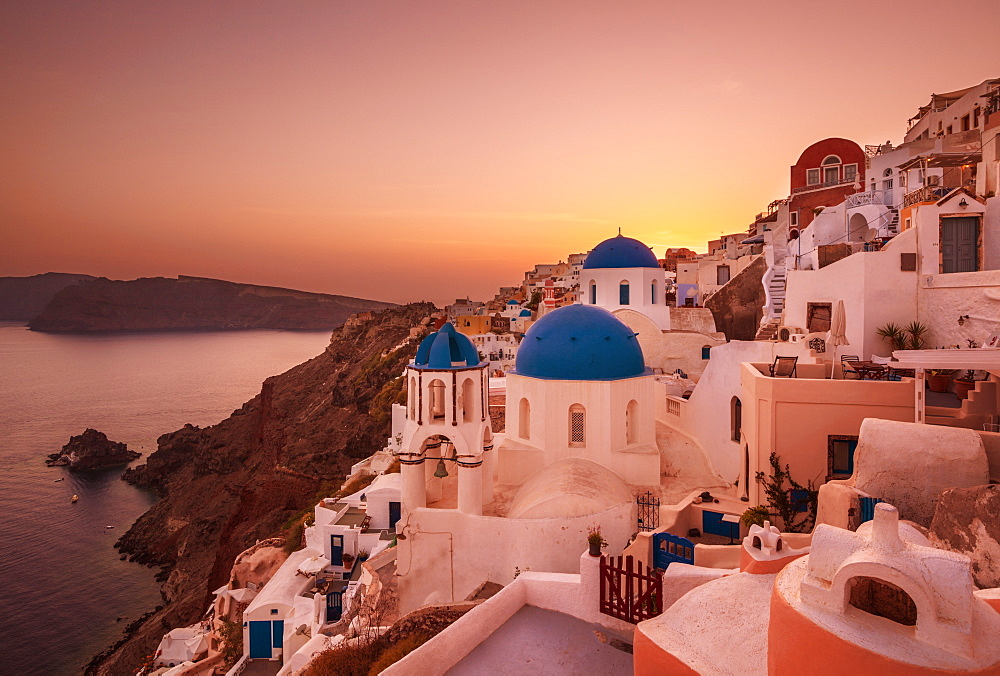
(406, 150)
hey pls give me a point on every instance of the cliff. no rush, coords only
(192, 303)
(226, 486)
(23, 298)
(92, 450)
(738, 306)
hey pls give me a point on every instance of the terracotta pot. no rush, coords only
(939, 383)
(962, 388)
(595, 548)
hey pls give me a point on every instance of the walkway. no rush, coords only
(262, 668)
(543, 643)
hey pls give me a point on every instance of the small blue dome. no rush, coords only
(512, 302)
(525, 313)
(621, 252)
(445, 349)
(580, 342)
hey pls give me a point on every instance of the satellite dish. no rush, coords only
(870, 235)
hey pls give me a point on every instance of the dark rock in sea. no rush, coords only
(91, 450)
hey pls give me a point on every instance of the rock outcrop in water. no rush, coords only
(192, 303)
(91, 450)
(226, 486)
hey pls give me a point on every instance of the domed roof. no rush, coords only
(445, 349)
(512, 302)
(580, 342)
(621, 252)
(525, 313)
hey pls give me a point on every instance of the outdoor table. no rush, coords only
(869, 370)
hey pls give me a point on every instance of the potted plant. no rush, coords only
(965, 383)
(596, 540)
(939, 380)
(347, 559)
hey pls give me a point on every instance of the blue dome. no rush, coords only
(512, 302)
(580, 342)
(621, 252)
(525, 313)
(445, 349)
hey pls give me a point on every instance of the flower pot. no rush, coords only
(595, 548)
(962, 388)
(939, 383)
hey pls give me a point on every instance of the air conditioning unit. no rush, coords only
(785, 333)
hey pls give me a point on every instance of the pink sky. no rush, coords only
(425, 150)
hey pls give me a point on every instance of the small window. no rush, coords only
(799, 498)
(623, 293)
(593, 293)
(274, 611)
(577, 425)
(524, 419)
(887, 172)
(948, 130)
(706, 351)
(794, 216)
(831, 159)
(631, 427)
(812, 177)
(722, 274)
(436, 391)
(652, 293)
(736, 418)
(850, 172)
(841, 456)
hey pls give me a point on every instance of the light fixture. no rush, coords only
(963, 203)
(961, 319)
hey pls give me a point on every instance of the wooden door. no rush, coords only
(959, 244)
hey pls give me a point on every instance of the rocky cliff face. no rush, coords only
(91, 450)
(23, 298)
(189, 303)
(226, 486)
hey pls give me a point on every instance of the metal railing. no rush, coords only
(929, 193)
(821, 186)
(870, 197)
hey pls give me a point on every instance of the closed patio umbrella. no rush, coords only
(838, 328)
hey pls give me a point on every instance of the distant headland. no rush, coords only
(62, 303)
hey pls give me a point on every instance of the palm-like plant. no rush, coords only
(894, 334)
(916, 332)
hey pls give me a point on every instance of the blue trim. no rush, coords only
(278, 633)
(260, 640)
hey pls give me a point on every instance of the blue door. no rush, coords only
(669, 549)
(278, 633)
(333, 606)
(868, 508)
(260, 640)
(711, 522)
(393, 514)
(336, 549)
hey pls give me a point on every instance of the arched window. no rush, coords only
(411, 399)
(623, 293)
(468, 400)
(436, 400)
(736, 417)
(756, 542)
(524, 419)
(881, 598)
(577, 425)
(631, 426)
(831, 159)
(593, 292)
(652, 293)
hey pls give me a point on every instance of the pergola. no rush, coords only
(979, 359)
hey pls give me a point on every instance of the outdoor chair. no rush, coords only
(845, 361)
(783, 367)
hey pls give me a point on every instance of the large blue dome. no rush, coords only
(580, 342)
(445, 349)
(621, 252)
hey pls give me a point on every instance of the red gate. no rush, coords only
(629, 590)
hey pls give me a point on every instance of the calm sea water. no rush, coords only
(64, 593)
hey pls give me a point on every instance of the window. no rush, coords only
(631, 428)
(850, 172)
(799, 499)
(887, 172)
(948, 130)
(965, 123)
(831, 175)
(593, 293)
(436, 403)
(652, 293)
(812, 177)
(887, 184)
(468, 400)
(722, 274)
(623, 293)
(818, 317)
(411, 399)
(736, 417)
(831, 159)
(794, 216)
(840, 456)
(524, 419)
(577, 425)
(883, 599)
(706, 351)
(975, 117)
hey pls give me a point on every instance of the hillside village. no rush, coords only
(779, 456)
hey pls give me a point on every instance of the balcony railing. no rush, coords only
(870, 197)
(821, 186)
(929, 193)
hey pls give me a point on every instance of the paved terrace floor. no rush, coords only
(262, 668)
(541, 643)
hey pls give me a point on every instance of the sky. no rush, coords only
(427, 150)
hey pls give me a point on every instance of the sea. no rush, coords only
(64, 593)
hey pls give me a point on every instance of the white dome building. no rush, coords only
(622, 273)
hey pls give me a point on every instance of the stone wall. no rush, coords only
(738, 306)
